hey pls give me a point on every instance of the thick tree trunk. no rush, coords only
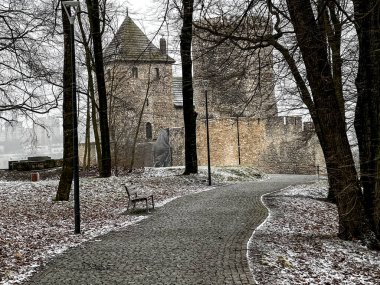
(367, 122)
(66, 178)
(189, 114)
(332, 135)
(94, 17)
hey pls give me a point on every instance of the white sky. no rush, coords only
(147, 14)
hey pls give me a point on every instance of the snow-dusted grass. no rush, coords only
(298, 243)
(33, 227)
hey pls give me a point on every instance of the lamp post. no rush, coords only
(205, 83)
(74, 6)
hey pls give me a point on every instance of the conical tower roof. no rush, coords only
(131, 44)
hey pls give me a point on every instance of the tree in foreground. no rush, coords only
(64, 187)
(327, 115)
(189, 114)
(367, 123)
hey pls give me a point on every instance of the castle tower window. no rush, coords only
(135, 72)
(148, 131)
(157, 73)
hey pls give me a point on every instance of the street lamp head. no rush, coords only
(205, 83)
(67, 5)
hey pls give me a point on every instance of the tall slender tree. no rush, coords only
(65, 181)
(189, 114)
(95, 28)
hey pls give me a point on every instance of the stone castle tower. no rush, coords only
(139, 85)
(241, 81)
(139, 80)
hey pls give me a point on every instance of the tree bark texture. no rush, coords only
(332, 133)
(189, 114)
(94, 17)
(367, 121)
(66, 178)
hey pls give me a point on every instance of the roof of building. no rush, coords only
(131, 44)
(177, 92)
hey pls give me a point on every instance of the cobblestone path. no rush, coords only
(196, 239)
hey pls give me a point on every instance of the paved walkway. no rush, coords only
(196, 239)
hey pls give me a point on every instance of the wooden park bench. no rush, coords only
(133, 198)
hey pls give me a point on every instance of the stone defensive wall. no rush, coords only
(273, 145)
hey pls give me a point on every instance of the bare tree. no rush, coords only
(28, 81)
(64, 187)
(93, 8)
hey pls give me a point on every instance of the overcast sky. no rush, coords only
(145, 13)
(148, 15)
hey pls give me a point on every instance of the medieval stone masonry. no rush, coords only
(240, 76)
(139, 86)
(273, 145)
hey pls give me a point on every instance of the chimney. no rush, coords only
(163, 46)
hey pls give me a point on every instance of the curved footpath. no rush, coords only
(196, 239)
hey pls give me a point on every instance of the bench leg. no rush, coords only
(152, 202)
(146, 203)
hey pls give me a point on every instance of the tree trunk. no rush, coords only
(96, 130)
(91, 94)
(94, 17)
(134, 143)
(66, 178)
(332, 135)
(189, 114)
(367, 123)
(87, 143)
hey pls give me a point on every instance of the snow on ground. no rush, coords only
(33, 227)
(298, 243)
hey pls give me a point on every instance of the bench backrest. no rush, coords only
(131, 194)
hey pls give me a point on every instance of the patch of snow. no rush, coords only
(298, 244)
